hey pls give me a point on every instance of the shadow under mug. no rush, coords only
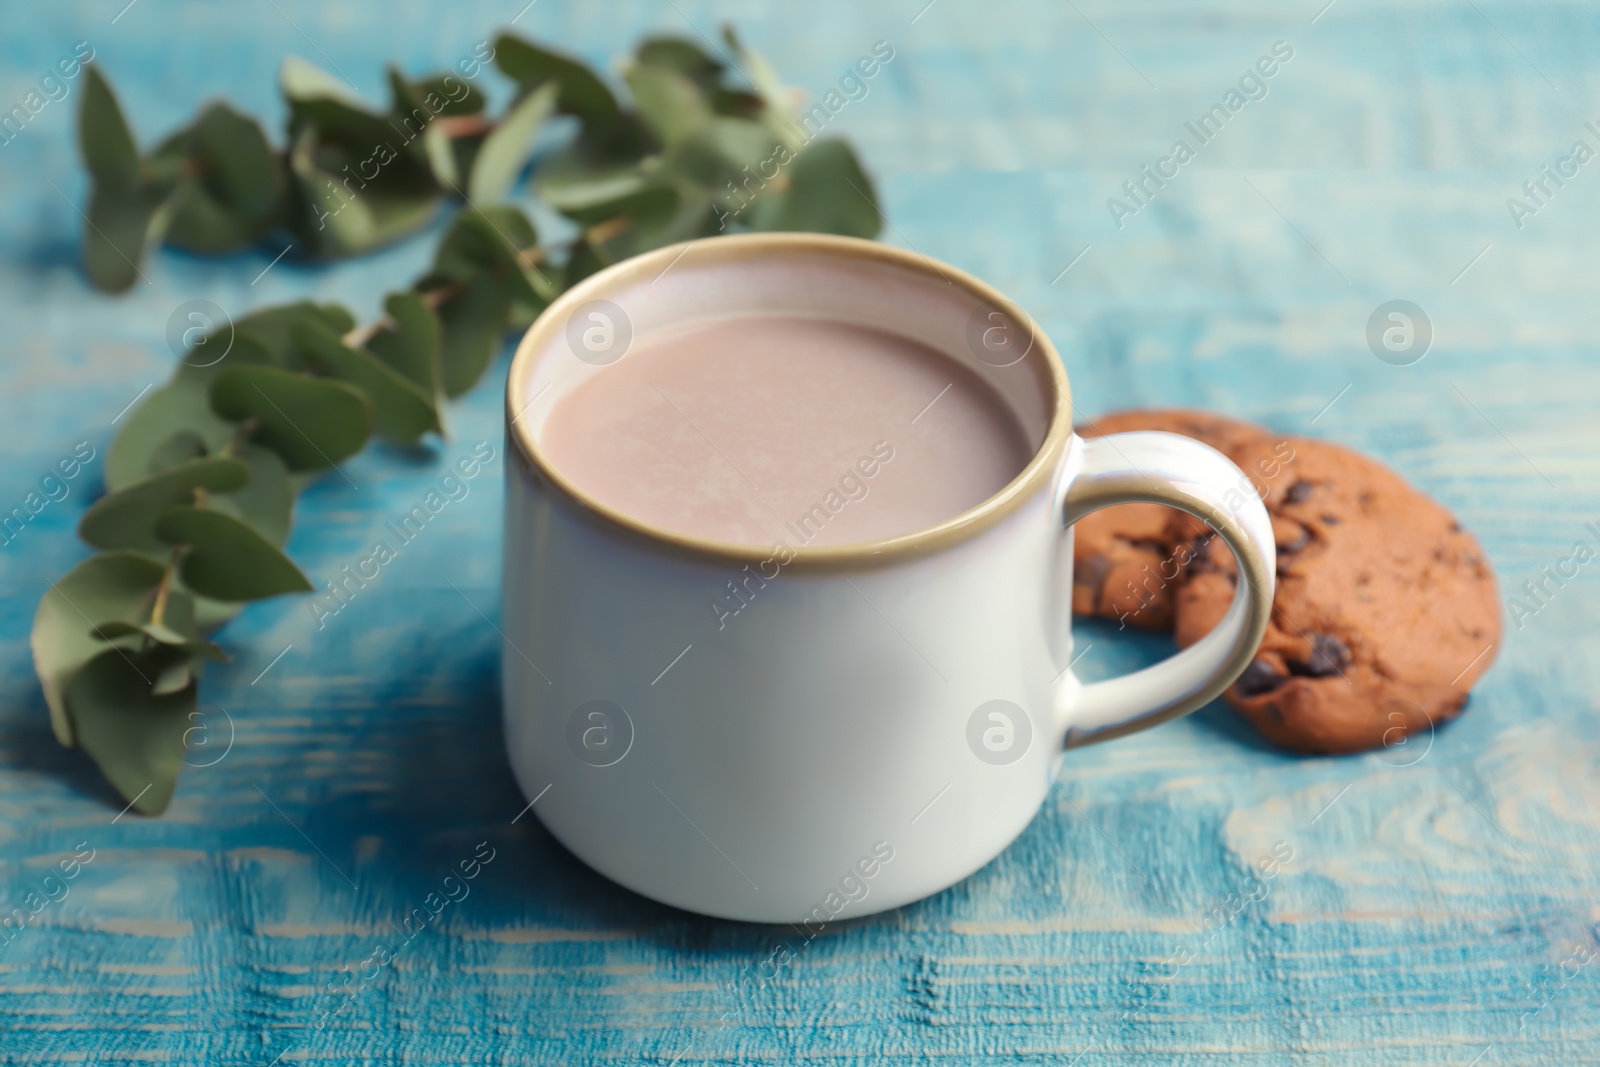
(880, 719)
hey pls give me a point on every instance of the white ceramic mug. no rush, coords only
(880, 719)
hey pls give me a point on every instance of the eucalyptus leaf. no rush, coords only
(584, 260)
(226, 559)
(648, 206)
(182, 404)
(582, 93)
(827, 192)
(409, 343)
(203, 225)
(769, 87)
(104, 588)
(238, 166)
(670, 104)
(435, 95)
(681, 56)
(266, 501)
(134, 735)
(174, 678)
(443, 159)
(471, 327)
(124, 223)
(240, 185)
(337, 217)
(570, 184)
(495, 240)
(501, 157)
(162, 634)
(179, 448)
(401, 411)
(103, 134)
(273, 327)
(310, 423)
(127, 517)
(302, 81)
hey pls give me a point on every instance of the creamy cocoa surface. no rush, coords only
(768, 429)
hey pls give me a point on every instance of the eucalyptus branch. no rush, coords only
(202, 473)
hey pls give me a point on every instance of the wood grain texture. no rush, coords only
(1427, 910)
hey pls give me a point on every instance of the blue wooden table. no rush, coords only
(1439, 903)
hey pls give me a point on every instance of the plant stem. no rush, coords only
(159, 609)
(463, 125)
(604, 231)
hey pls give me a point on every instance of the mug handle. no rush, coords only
(1166, 468)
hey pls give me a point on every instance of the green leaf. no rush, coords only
(309, 423)
(670, 104)
(471, 327)
(401, 411)
(504, 151)
(179, 448)
(102, 589)
(584, 261)
(338, 218)
(238, 166)
(240, 187)
(681, 56)
(451, 95)
(127, 517)
(227, 560)
(769, 87)
(479, 241)
(180, 405)
(108, 147)
(746, 144)
(570, 184)
(443, 159)
(582, 93)
(266, 501)
(410, 344)
(649, 207)
(125, 222)
(134, 735)
(302, 81)
(200, 224)
(827, 192)
(162, 634)
(498, 240)
(272, 327)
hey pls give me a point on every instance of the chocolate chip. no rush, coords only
(1199, 561)
(1331, 520)
(1298, 492)
(1260, 677)
(1301, 539)
(1328, 656)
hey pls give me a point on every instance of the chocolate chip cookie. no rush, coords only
(1129, 560)
(1386, 610)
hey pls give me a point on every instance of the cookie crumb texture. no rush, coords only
(1386, 610)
